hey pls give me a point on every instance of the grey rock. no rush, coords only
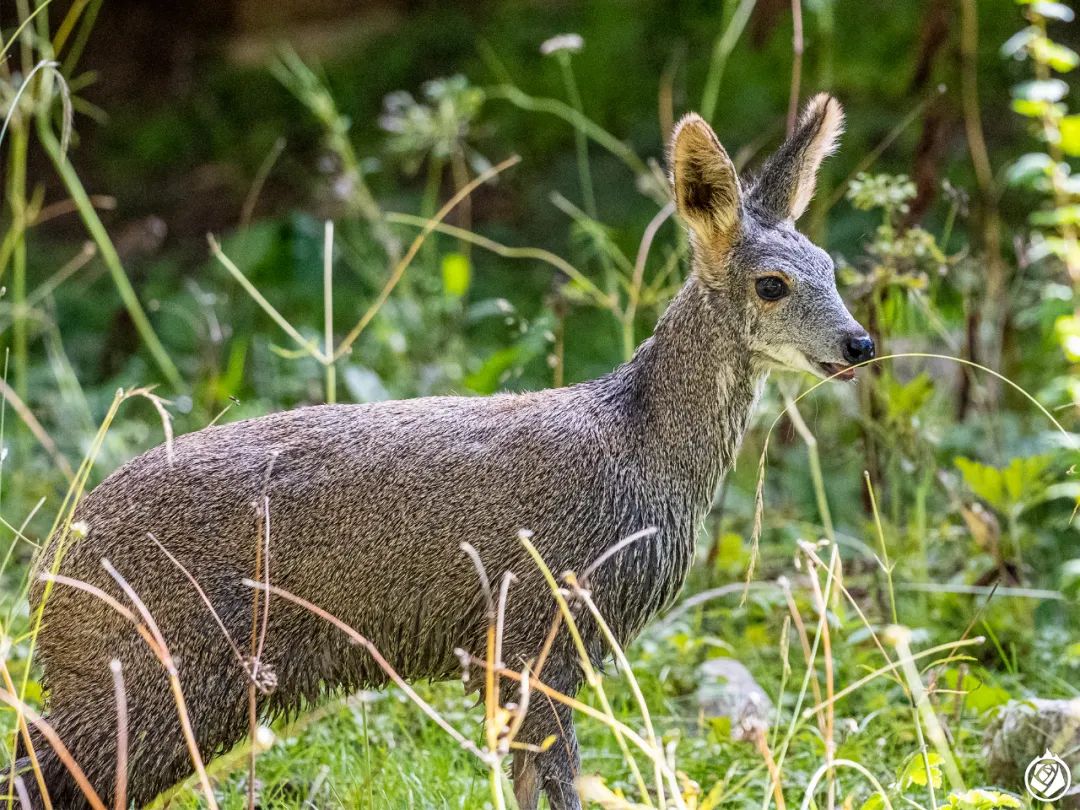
(1023, 730)
(727, 689)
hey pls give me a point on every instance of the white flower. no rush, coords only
(562, 42)
(264, 738)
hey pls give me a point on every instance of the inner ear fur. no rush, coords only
(787, 181)
(704, 182)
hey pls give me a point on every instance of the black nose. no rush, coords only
(859, 349)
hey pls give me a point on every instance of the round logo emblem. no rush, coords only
(1048, 778)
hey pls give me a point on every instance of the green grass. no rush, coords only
(413, 764)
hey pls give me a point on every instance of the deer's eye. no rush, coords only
(771, 288)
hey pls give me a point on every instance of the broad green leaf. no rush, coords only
(983, 480)
(1059, 57)
(1030, 108)
(1023, 476)
(1069, 128)
(1004, 488)
(907, 399)
(456, 274)
(730, 552)
(1062, 215)
(915, 772)
(981, 692)
(487, 378)
(875, 802)
(1067, 331)
(982, 799)
(720, 729)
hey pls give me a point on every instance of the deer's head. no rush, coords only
(746, 249)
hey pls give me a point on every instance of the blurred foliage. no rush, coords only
(551, 274)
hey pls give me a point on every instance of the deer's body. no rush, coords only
(368, 506)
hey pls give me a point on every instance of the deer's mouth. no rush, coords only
(837, 371)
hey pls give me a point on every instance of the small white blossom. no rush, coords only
(264, 738)
(562, 42)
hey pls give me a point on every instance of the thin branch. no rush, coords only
(120, 802)
(400, 682)
(796, 64)
(558, 262)
(58, 746)
(259, 181)
(31, 422)
(267, 307)
(403, 264)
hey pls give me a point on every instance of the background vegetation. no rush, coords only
(315, 143)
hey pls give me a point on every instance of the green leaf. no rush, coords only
(1069, 128)
(982, 799)
(1062, 215)
(905, 400)
(1004, 488)
(720, 729)
(1070, 579)
(731, 555)
(1059, 57)
(980, 691)
(1023, 477)
(1067, 331)
(876, 801)
(1030, 108)
(983, 480)
(915, 771)
(456, 274)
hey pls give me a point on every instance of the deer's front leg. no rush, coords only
(555, 770)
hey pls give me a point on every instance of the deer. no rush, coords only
(361, 509)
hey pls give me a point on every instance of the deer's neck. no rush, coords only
(692, 387)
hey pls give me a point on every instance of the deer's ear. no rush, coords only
(707, 192)
(787, 181)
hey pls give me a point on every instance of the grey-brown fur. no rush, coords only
(369, 504)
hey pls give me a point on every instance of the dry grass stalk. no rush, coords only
(120, 802)
(591, 676)
(58, 746)
(161, 649)
(414, 248)
(624, 665)
(398, 681)
(822, 606)
(24, 730)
